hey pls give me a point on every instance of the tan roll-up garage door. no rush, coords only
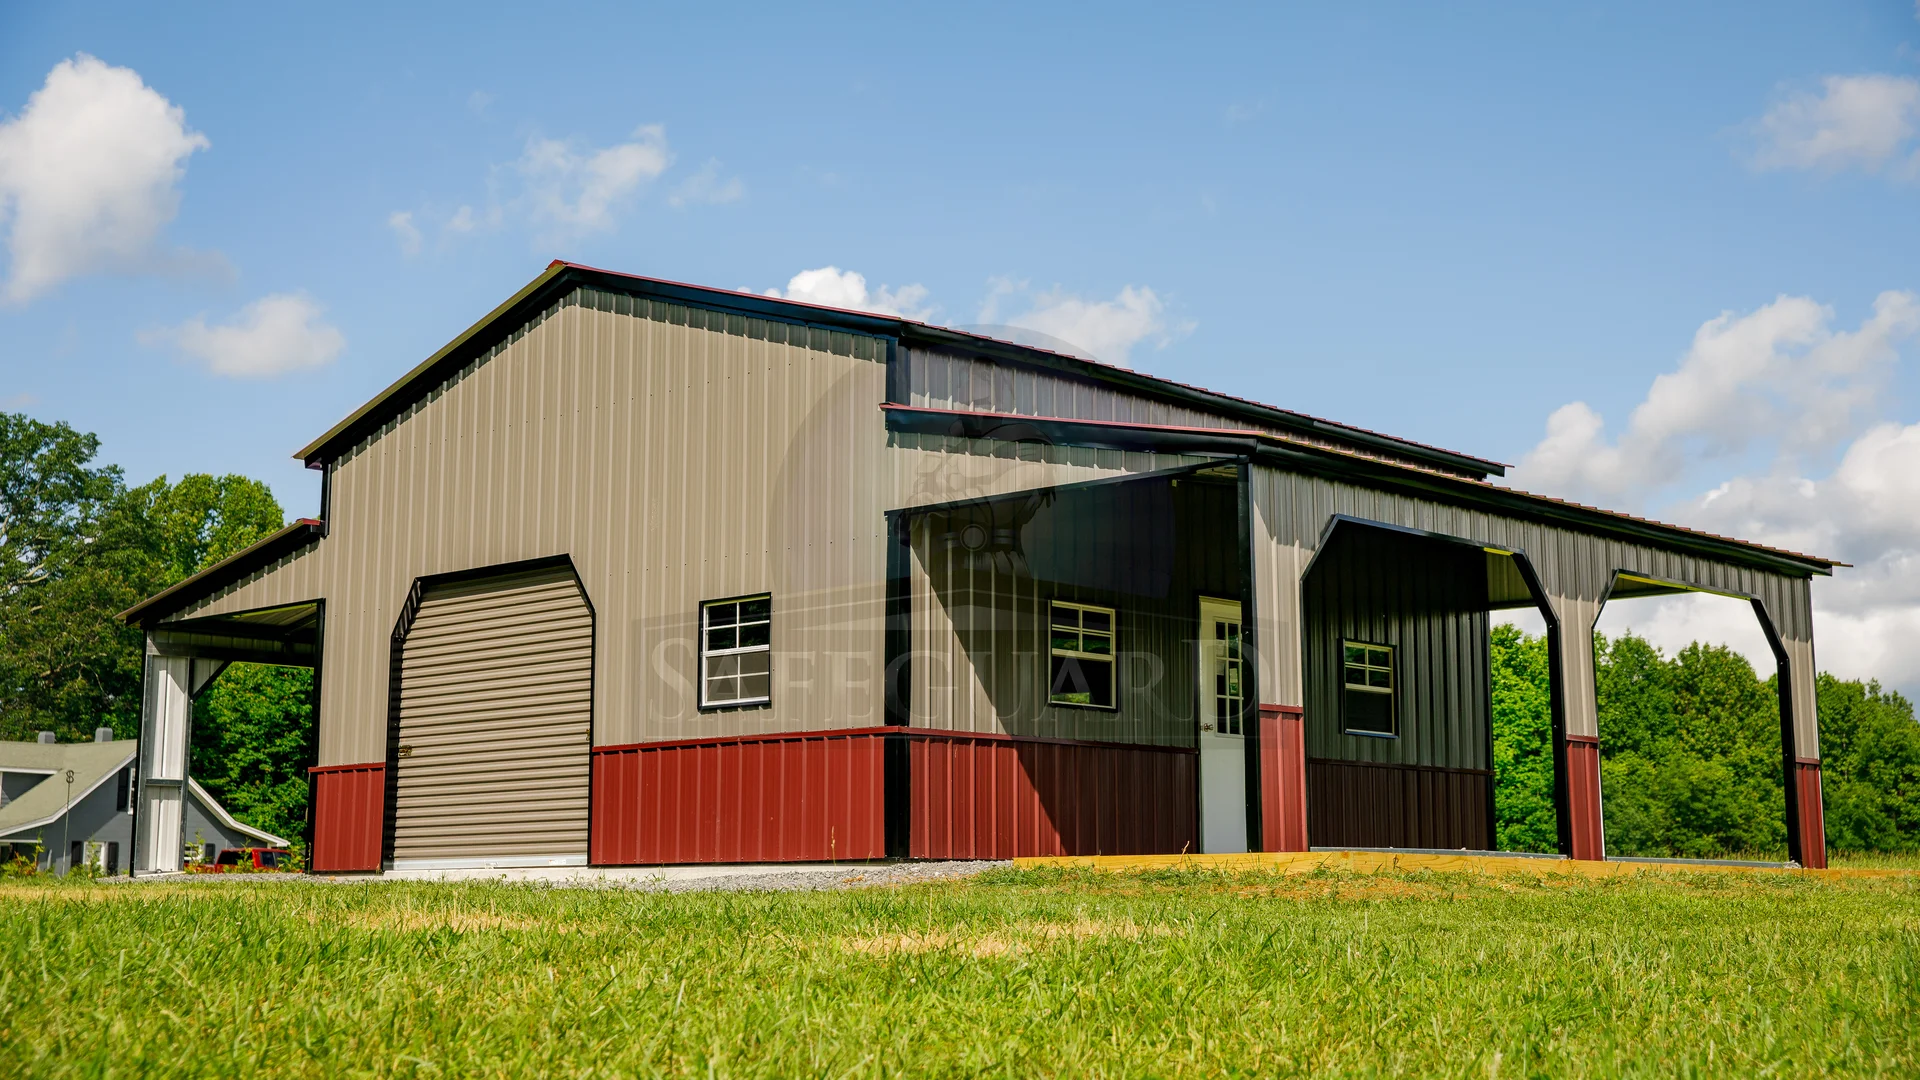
(496, 724)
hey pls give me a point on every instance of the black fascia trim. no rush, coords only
(218, 576)
(1005, 352)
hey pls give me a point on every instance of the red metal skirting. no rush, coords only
(1813, 818)
(1583, 797)
(1370, 804)
(348, 806)
(1283, 778)
(996, 797)
(794, 797)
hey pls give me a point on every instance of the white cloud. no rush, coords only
(706, 186)
(89, 175)
(834, 287)
(1854, 121)
(572, 190)
(401, 222)
(273, 335)
(1780, 373)
(1106, 330)
(1778, 379)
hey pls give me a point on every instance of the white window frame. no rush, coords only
(707, 654)
(1110, 658)
(1390, 691)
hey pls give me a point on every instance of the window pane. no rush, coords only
(1069, 684)
(1066, 640)
(756, 608)
(723, 614)
(1356, 676)
(719, 690)
(754, 686)
(754, 634)
(723, 665)
(1066, 616)
(721, 638)
(1371, 713)
(753, 663)
(1356, 654)
(1376, 677)
(1096, 643)
(1233, 681)
(1379, 657)
(1099, 681)
(1096, 620)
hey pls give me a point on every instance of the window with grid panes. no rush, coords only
(736, 651)
(1228, 709)
(1081, 661)
(1367, 688)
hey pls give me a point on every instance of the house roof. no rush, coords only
(261, 553)
(561, 278)
(93, 764)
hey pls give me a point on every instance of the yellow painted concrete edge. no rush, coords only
(1368, 862)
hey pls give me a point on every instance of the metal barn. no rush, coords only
(634, 572)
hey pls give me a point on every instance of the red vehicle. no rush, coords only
(256, 858)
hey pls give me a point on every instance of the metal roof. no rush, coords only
(1120, 435)
(560, 277)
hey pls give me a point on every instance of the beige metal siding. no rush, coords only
(942, 379)
(1291, 513)
(676, 455)
(496, 721)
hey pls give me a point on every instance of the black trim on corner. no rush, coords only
(897, 679)
(1250, 661)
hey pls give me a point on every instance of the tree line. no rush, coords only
(1690, 754)
(77, 547)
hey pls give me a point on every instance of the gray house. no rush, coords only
(68, 803)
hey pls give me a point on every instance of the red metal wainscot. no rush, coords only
(794, 797)
(1283, 778)
(1813, 819)
(1583, 797)
(979, 796)
(349, 802)
(817, 796)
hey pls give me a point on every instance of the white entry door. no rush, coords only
(1223, 756)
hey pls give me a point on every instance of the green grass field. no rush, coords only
(1015, 973)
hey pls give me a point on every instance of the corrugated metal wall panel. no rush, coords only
(1148, 549)
(1283, 779)
(676, 456)
(1425, 599)
(1001, 797)
(495, 721)
(791, 798)
(1806, 779)
(1364, 804)
(1292, 512)
(943, 379)
(1588, 827)
(349, 803)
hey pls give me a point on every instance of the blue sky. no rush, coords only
(1443, 223)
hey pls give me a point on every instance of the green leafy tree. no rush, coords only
(252, 742)
(1522, 742)
(1870, 767)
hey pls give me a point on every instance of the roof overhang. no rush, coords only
(260, 555)
(1268, 449)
